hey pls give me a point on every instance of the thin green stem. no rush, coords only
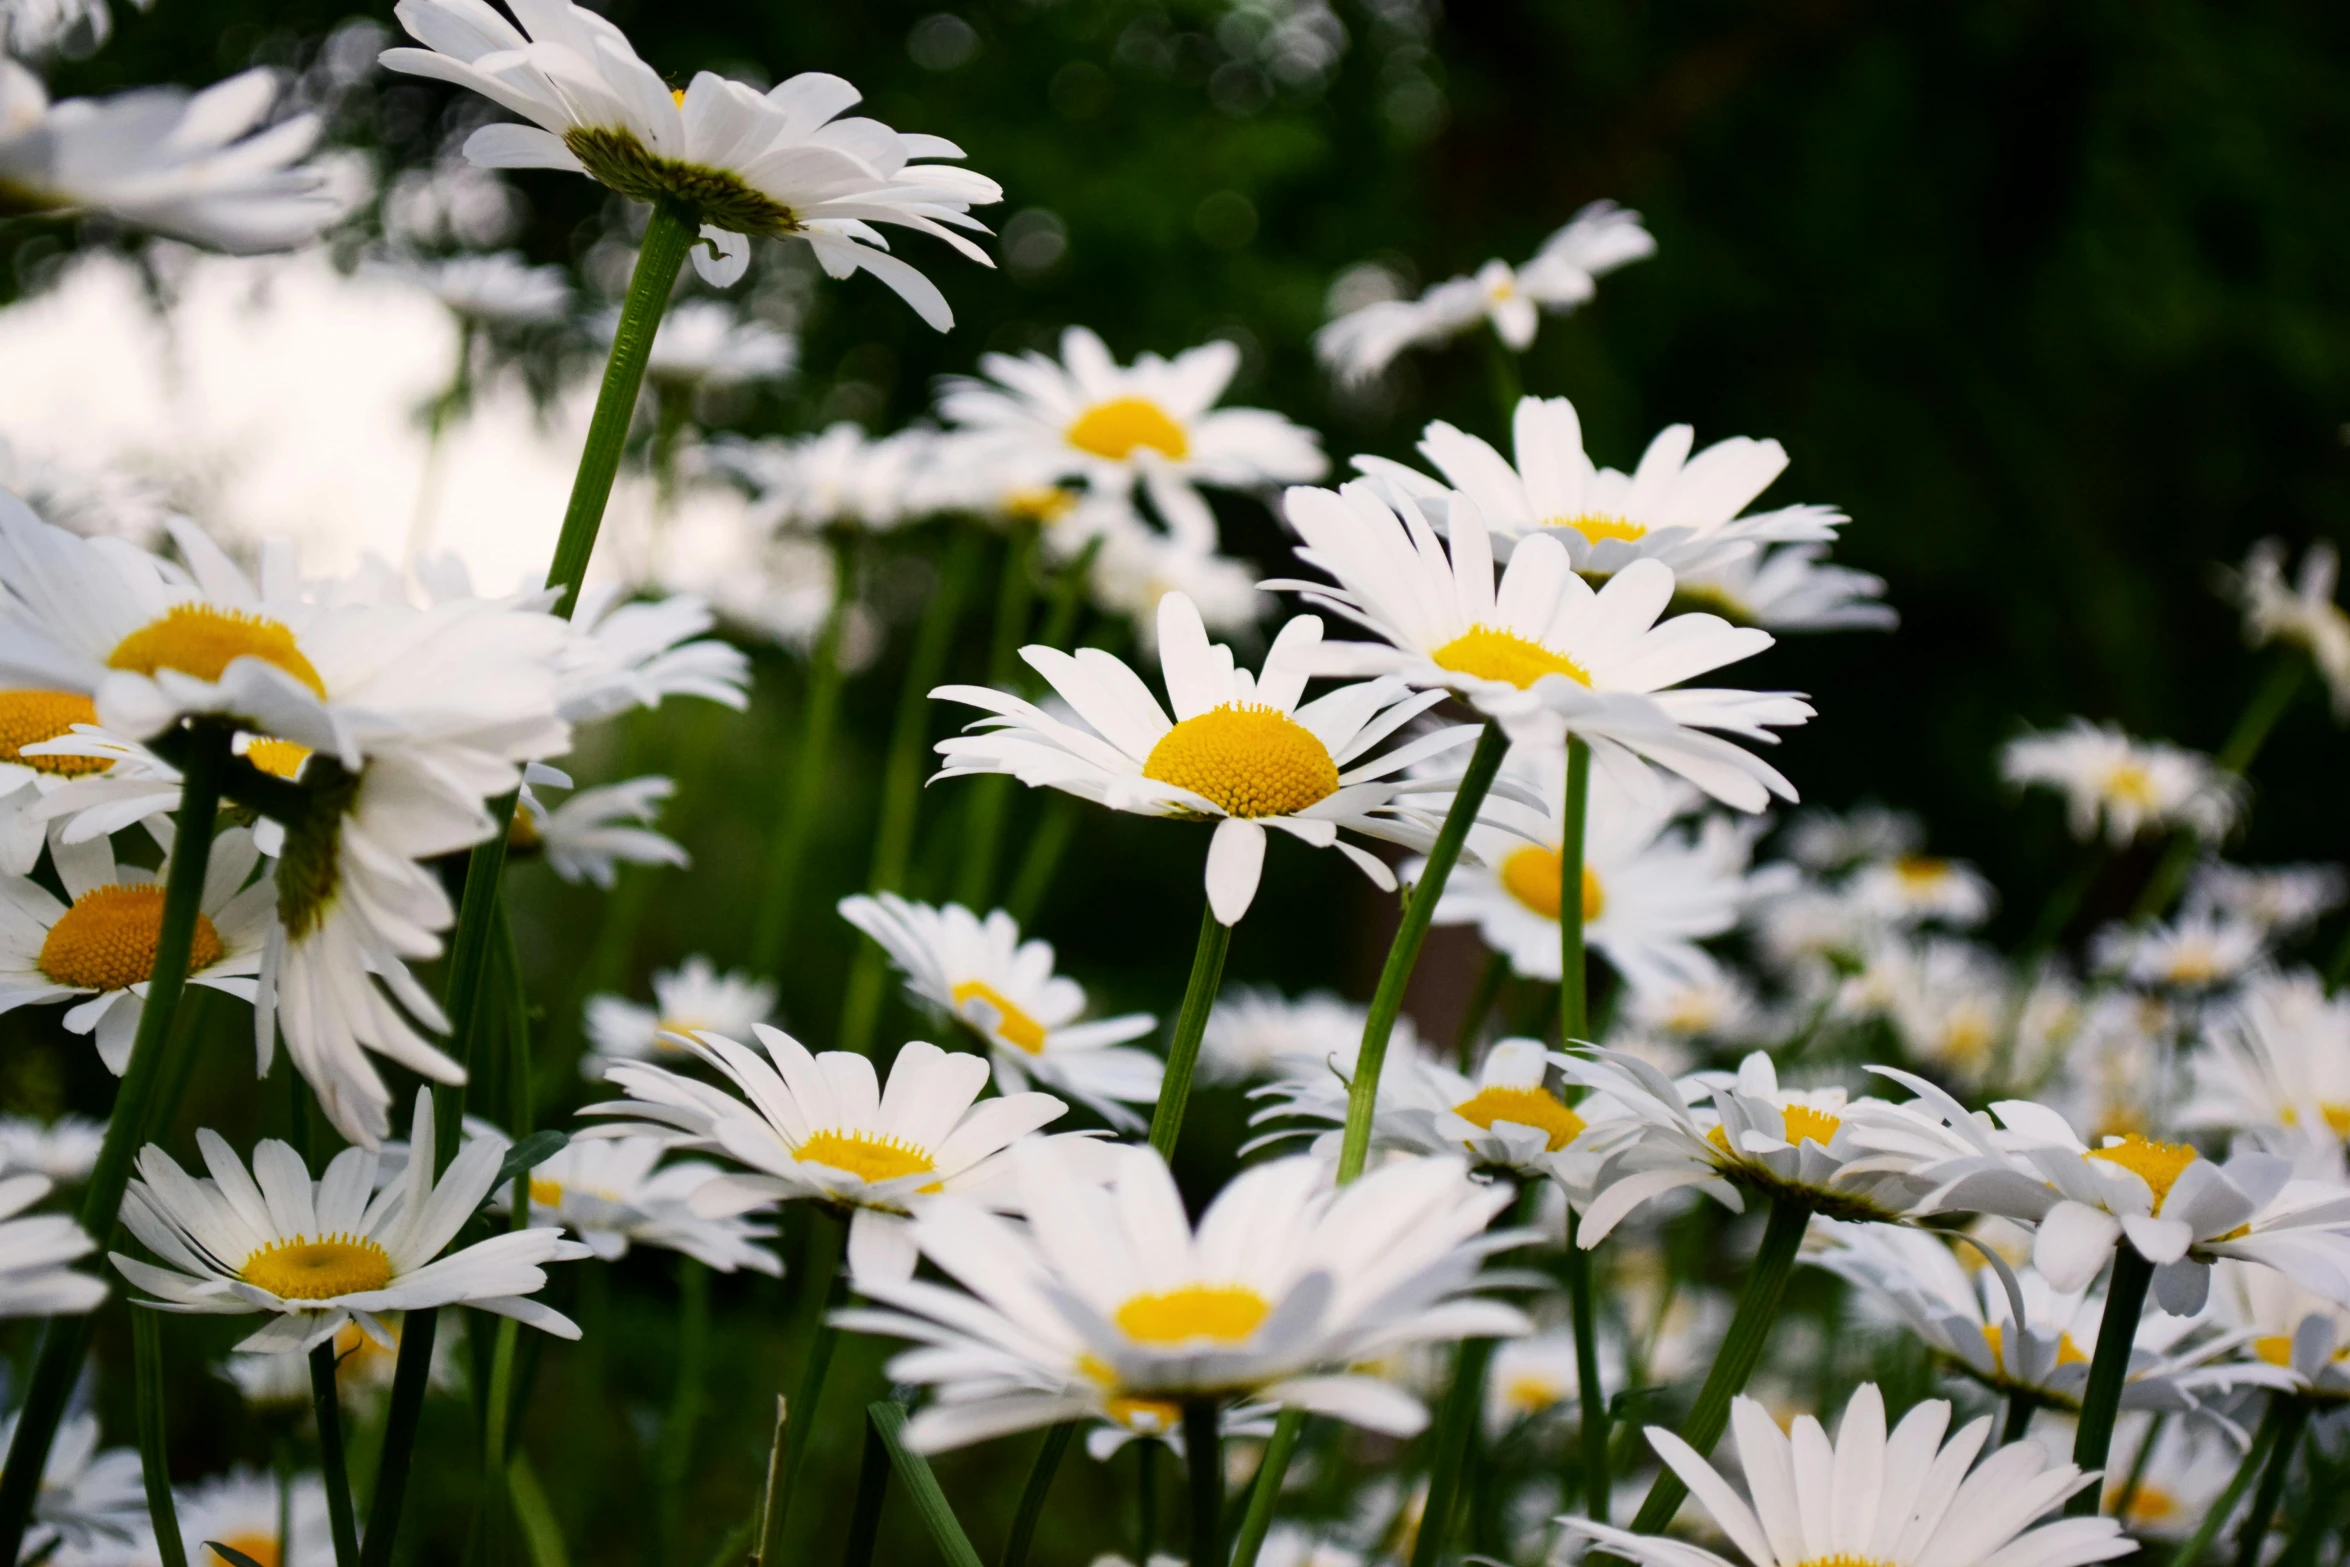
(1574, 1004)
(1191, 1024)
(2254, 1534)
(1146, 1498)
(328, 1407)
(1742, 1347)
(2127, 1497)
(761, 1533)
(1403, 954)
(409, 1376)
(2020, 1406)
(991, 796)
(2255, 1456)
(2236, 754)
(872, 1491)
(1033, 1494)
(771, 929)
(1203, 1460)
(1501, 368)
(685, 1408)
(65, 1340)
(2101, 1398)
(154, 1459)
(2320, 1514)
(827, 1277)
(1472, 1030)
(922, 1488)
(1449, 1449)
(1265, 1492)
(1590, 1393)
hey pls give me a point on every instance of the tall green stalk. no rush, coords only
(327, 1405)
(2252, 729)
(771, 927)
(1033, 1494)
(1264, 1493)
(991, 796)
(1590, 1395)
(1464, 1401)
(65, 1340)
(827, 1278)
(154, 1459)
(2254, 1534)
(2256, 1455)
(1574, 1004)
(1471, 1033)
(1741, 1351)
(1191, 1024)
(2101, 1398)
(685, 1410)
(1203, 1458)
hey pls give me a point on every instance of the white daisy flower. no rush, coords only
(315, 1255)
(1137, 566)
(1258, 1032)
(628, 653)
(91, 1500)
(1951, 1002)
(613, 1192)
(1904, 1500)
(35, 718)
(2274, 1060)
(780, 163)
(705, 342)
(1245, 753)
(2177, 1484)
(822, 1128)
(1916, 888)
(65, 1150)
(2132, 786)
(1825, 841)
(1110, 1297)
(203, 168)
(364, 1370)
(596, 831)
(2282, 900)
(981, 974)
(240, 1509)
(1718, 1005)
(839, 477)
(2195, 951)
(1791, 588)
(1542, 648)
(500, 290)
(2300, 613)
(693, 998)
(37, 1252)
(2302, 1337)
(98, 951)
(1154, 421)
(76, 28)
(1686, 511)
(1529, 1378)
(1651, 890)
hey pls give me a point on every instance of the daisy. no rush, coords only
(2275, 1060)
(364, 1370)
(2195, 951)
(981, 974)
(591, 835)
(2300, 613)
(316, 1255)
(1791, 588)
(839, 478)
(241, 1510)
(2301, 1337)
(2177, 1484)
(614, 1192)
(1950, 1002)
(1915, 888)
(693, 998)
(1257, 1032)
(1651, 890)
(1529, 1378)
(1148, 1421)
(1137, 566)
(36, 1254)
(703, 342)
(629, 653)
(1904, 1500)
(2114, 1075)
(1154, 421)
(1110, 1296)
(2133, 786)
(746, 163)
(78, 28)
(98, 950)
(1687, 512)
(1541, 649)
(1246, 754)
(821, 1128)
(2282, 900)
(202, 168)
(90, 1499)
(65, 1150)
(1827, 841)
(500, 290)
(33, 718)
(1718, 1005)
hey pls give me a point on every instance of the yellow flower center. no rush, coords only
(259, 1548)
(2130, 784)
(1967, 1038)
(1488, 653)
(2152, 1504)
(321, 1269)
(2192, 965)
(281, 758)
(546, 1193)
(677, 94)
(1219, 1313)
(106, 941)
(201, 640)
(1531, 875)
(1115, 428)
(1804, 1124)
(1147, 1415)
(1011, 1025)
(1530, 1395)
(1921, 872)
(2068, 1353)
(1599, 526)
(1044, 503)
(2335, 1116)
(2157, 1164)
(30, 717)
(1248, 759)
(2275, 1348)
(1522, 1107)
(867, 1157)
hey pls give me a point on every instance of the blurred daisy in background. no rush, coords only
(245, 1511)
(2298, 613)
(2129, 786)
(615, 1192)
(589, 836)
(693, 998)
(1256, 1032)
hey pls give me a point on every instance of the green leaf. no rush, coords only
(889, 1418)
(529, 1154)
(230, 1554)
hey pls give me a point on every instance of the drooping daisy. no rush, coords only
(65, 1150)
(2194, 952)
(1245, 753)
(1004, 990)
(315, 1255)
(1686, 511)
(2131, 786)
(2275, 1060)
(823, 1128)
(90, 1499)
(2282, 900)
(1790, 588)
(693, 998)
(1154, 421)
(1651, 890)
(780, 163)
(37, 1253)
(203, 168)
(98, 951)
(241, 1510)
(614, 1192)
(1257, 1032)
(596, 831)
(2301, 613)
(1541, 649)
(1110, 1296)
(1899, 1500)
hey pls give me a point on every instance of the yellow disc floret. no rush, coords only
(1804, 1124)
(1011, 1025)
(1522, 1107)
(321, 1269)
(1115, 428)
(1489, 653)
(2130, 784)
(30, 717)
(1250, 760)
(106, 941)
(278, 758)
(2159, 1165)
(2068, 1353)
(865, 1156)
(546, 1193)
(1531, 875)
(1218, 1313)
(1599, 526)
(203, 640)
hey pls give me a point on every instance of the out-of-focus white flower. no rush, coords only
(1256, 1032)
(37, 1252)
(2288, 1331)
(2282, 900)
(2195, 951)
(2114, 1076)
(2176, 1484)
(1917, 888)
(102, 500)
(202, 168)
(1719, 1006)
(65, 1150)
(1137, 566)
(240, 1509)
(704, 342)
(2275, 1060)
(1532, 1377)
(613, 1192)
(2132, 786)
(1791, 588)
(628, 653)
(363, 1370)
(1833, 841)
(90, 1500)
(596, 831)
(693, 998)
(2301, 613)
(838, 478)
(71, 27)
(1949, 1000)
(499, 290)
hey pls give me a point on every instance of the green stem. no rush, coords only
(991, 796)
(1742, 1347)
(1591, 1395)
(2319, 1516)
(2101, 1398)
(2128, 1496)
(154, 1460)
(2216, 1519)
(1501, 365)
(1574, 1018)
(1404, 952)
(1199, 998)
(828, 1277)
(1449, 1449)
(65, 1340)
(1056, 824)
(771, 930)
(409, 1376)
(1203, 1458)
(922, 1488)
(1060, 621)
(1146, 1499)
(872, 1490)
(668, 237)
(2254, 1534)
(2020, 1405)
(328, 1407)
(1265, 1492)
(685, 1407)
(1480, 1007)
(2260, 716)
(1032, 1495)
